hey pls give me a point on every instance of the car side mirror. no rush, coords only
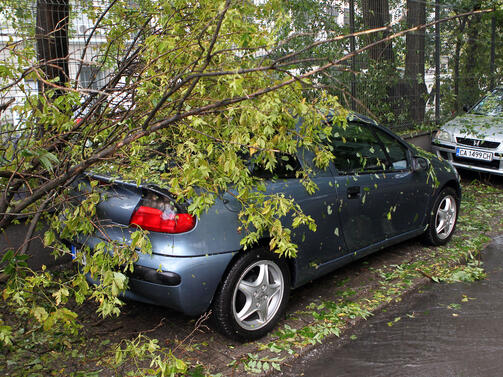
(466, 108)
(420, 163)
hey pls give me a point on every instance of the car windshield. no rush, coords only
(491, 105)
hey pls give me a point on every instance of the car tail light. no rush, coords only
(158, 214)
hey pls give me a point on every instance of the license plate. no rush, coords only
(475, 154)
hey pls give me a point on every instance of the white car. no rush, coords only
(475, 140)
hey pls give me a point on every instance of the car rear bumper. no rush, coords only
(185, 284)
(448, 153)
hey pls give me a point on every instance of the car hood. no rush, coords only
(476, 126)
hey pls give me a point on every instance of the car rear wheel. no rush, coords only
(443, 217)
(252, 297)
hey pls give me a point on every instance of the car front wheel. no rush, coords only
(252, 296)
(443, 217)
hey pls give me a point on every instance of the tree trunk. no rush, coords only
(414, 61)
(52, 41)
(375, 15)
(457, 53)
(470, 92)
(492, 66)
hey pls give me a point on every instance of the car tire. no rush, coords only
(252, 296)
(442, 218)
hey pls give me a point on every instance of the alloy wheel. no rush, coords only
(258, 294)
(445, 218)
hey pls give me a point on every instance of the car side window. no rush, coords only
(395, 151)
(357, 150)
(360, 148)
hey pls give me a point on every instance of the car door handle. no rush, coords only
(353, 192)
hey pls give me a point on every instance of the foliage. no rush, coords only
(475, 71)
(381, 86)
(192, 102)
(179, 108)
(142, 348)
(252, 363)
(193, 91)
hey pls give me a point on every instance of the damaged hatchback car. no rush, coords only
(474, 140)
(378, 191)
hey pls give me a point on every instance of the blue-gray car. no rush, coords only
(378, 191)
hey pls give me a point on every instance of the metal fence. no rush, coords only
(429, 74)
(57, 35)
(422, 77)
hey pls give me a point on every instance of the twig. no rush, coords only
(197, 327)
(5, 105)
(160, 324)
(425, 274)
(109, 331)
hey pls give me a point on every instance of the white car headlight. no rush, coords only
(444, 136)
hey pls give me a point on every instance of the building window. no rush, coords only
(91, 77)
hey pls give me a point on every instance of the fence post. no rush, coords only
(493, 51)
(352, 48)
(437, 62)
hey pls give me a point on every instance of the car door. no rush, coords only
(381, 197)
(324, 244)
